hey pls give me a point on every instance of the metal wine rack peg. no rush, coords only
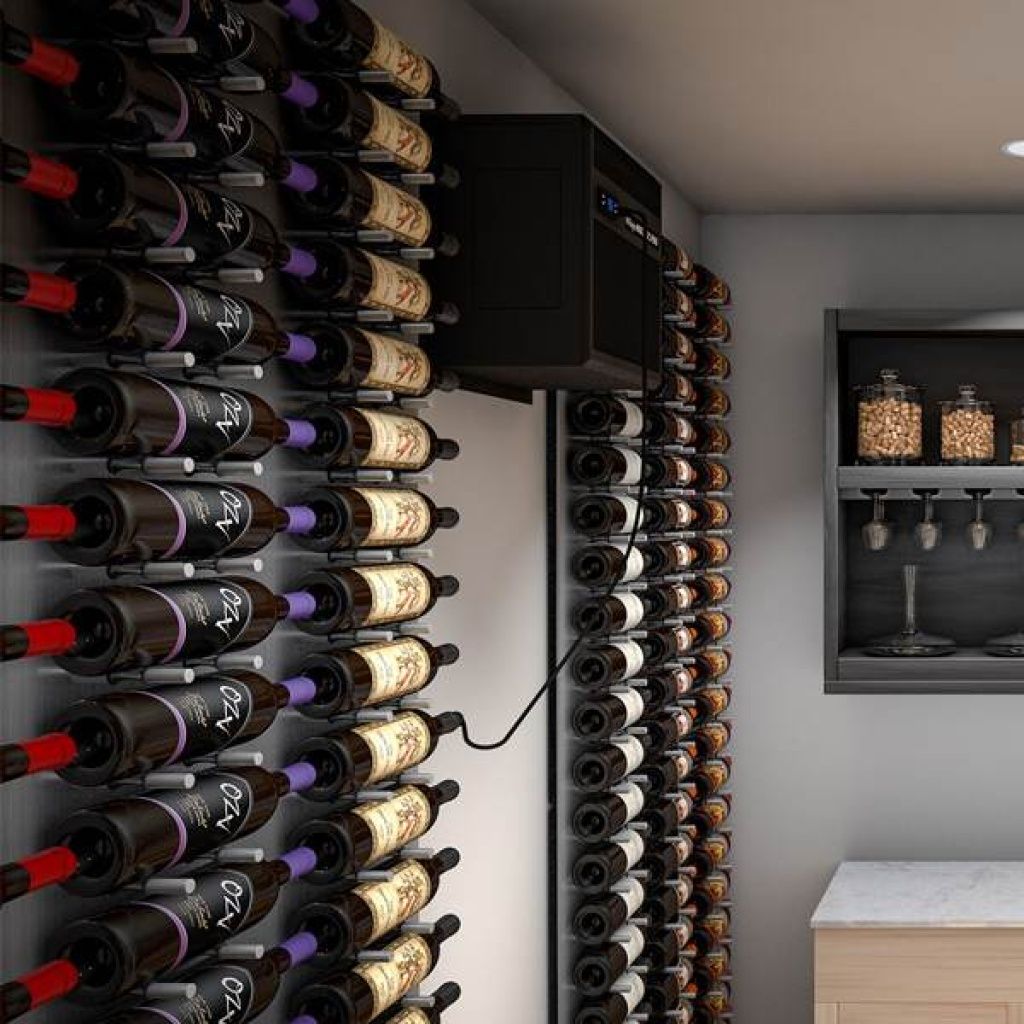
(173, 46)
(170, 990)
(374, 876)
(153, 360)
(154, 465)
(241, 275)
(419, 927)
(239, 759)
(370, 956)
(157, 780)
(156, 675)
(242, 83)
(361, 476)
(241, 951)
(413, 629)
(416, 1000)
(417, 852)
(228, 467)
(415, 779)
(372, 796)
(164, 887)
(170, 150)
(240, 855)
(244, 661)
(360, 557)
(153, 571)
(227, 373)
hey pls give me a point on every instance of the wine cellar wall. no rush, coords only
(213, 333)
(640, 772)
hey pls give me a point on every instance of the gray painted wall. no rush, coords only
(819, 779)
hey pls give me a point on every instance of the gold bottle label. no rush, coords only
(391, 903)
(716, 736)
(715, 887)
(396, 365)
(395, 745)
(717, 586)
(410, 1015)
(410, 963)
(396, 442)
(713, 700)
(716, 811)
(395, 210)
(412, 73)
(682, 511)
(714, 402)
(718, 441)
(717, 624)
(684, 849)
(716, 924)
(714, 775)
(717, 512)
(715, 663)
(407, 142)
(397, 288)
(395, 822)
(718, 476)
(718, 550)
(715, 848)
(397, 592)
(397, 516)
(397, 667)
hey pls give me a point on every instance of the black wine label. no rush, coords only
(217, 323)
(225, 995)
(211, 615)
(219, 128)
(215, 226)
(218, 909)
(210, 714)
(212, 518)
(222, 32)
(211, 422)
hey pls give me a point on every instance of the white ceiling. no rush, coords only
(797, 105)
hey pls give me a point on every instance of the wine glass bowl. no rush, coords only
(876, 534)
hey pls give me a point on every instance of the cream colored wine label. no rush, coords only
(396, 365)
(407, 142)
(395, 822)
(410, 963)
(633, 704)
(632, 750)
(634, 609)
(395, 745)
(632, 941)
(397, 667)
(397, 517)
(412, 73)
(634, 655)
(634, 423)
(633, 797)
(631, 893)
(395, 210)
(632, 845)
(398, 592)
(634, 467)
(631, 507)
(634, 562)
(391, 903)
(397, 288)
(396, 442)
(410, 1015)
(634, 991)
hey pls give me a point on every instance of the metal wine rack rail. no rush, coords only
(33, 578)
(703, 973)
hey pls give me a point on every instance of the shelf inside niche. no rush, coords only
(969, 670)
(951, 481)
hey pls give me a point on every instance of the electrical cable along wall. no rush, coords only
(214, 217)
(641, 840)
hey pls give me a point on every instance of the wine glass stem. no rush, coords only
(910, 598)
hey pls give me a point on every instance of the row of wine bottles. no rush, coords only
(650, 817)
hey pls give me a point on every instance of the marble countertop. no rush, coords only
(923, 894)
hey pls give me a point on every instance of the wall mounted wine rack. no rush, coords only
(237, 274)
(639, 774)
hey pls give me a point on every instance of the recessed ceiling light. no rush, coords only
(1014, 148)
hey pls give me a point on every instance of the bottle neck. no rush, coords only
(36, 290)
(37, 174)
(51, 64)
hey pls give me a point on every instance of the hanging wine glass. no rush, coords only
(877, 533)
(910, 642)
(979, 533)
(928, 532)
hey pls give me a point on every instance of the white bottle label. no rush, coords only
(633, 991)
(633, 703)
(633, 607)
(633, 797)
(634, 655)
(631, 939)
(632, 845)
(631, 892)
(634, 467)
(633, 751)
(634, 420)
(632, 509)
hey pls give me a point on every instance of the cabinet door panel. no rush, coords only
(922, 1013)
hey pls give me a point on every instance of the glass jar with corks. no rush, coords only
(967, 429)
(889, 418)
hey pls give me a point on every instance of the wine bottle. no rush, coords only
(663, 515)
(711, 928)
(349, 197)
(364, 993)
(598, 515)
(596, 770)
(714, 1001)
(369, 833)
(117, 735)
(669, 685)
(107, 412)
(710, 890)
(128, 839)
(615, 613)
(601, 565)
(128, 946)
(707, 287)
(712, 966)
(137, 206)
(664, 992)
(663, 903)
(712, 737)
(676, 387)
(606, 664)
(352, 920)
(666, 731)
(711, 813)
(665, 817)
(114, 521)
(675, 260)
(660, 471)
(711, 851)
(712, 700)
(599, 718)
(596, 971)
(346, 276)
(596, 920)
(441, 998)
(226, 41)
(601, 415)
(344, 358)
(230, 992)
(341, 31)
(370, 595)
(700, 553)
(349, 518)
(132, 100)
(710, 326)
(615, 1007)
(599, 817)
(115, 628)
(667, 947)
(663, 861)
(346, 114)
(711, 775)
(677, 344)
(598, 869)
(666, 774)
(677, 306)
(350, 438)
(601, 465)
(353, 759)
(710, 665)
(706, 628)
(666, 426)
(364, 675)
(711, 364)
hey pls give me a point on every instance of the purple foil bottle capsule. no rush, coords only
(301, 775)
(301, 348)
(300, 262)
(301, 690)
(301, 434)
(301, 604)
(300, 177)
(301, 92)
(301, 519)
(305, 11)
(300, 861)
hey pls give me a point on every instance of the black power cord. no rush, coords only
(631, 543)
